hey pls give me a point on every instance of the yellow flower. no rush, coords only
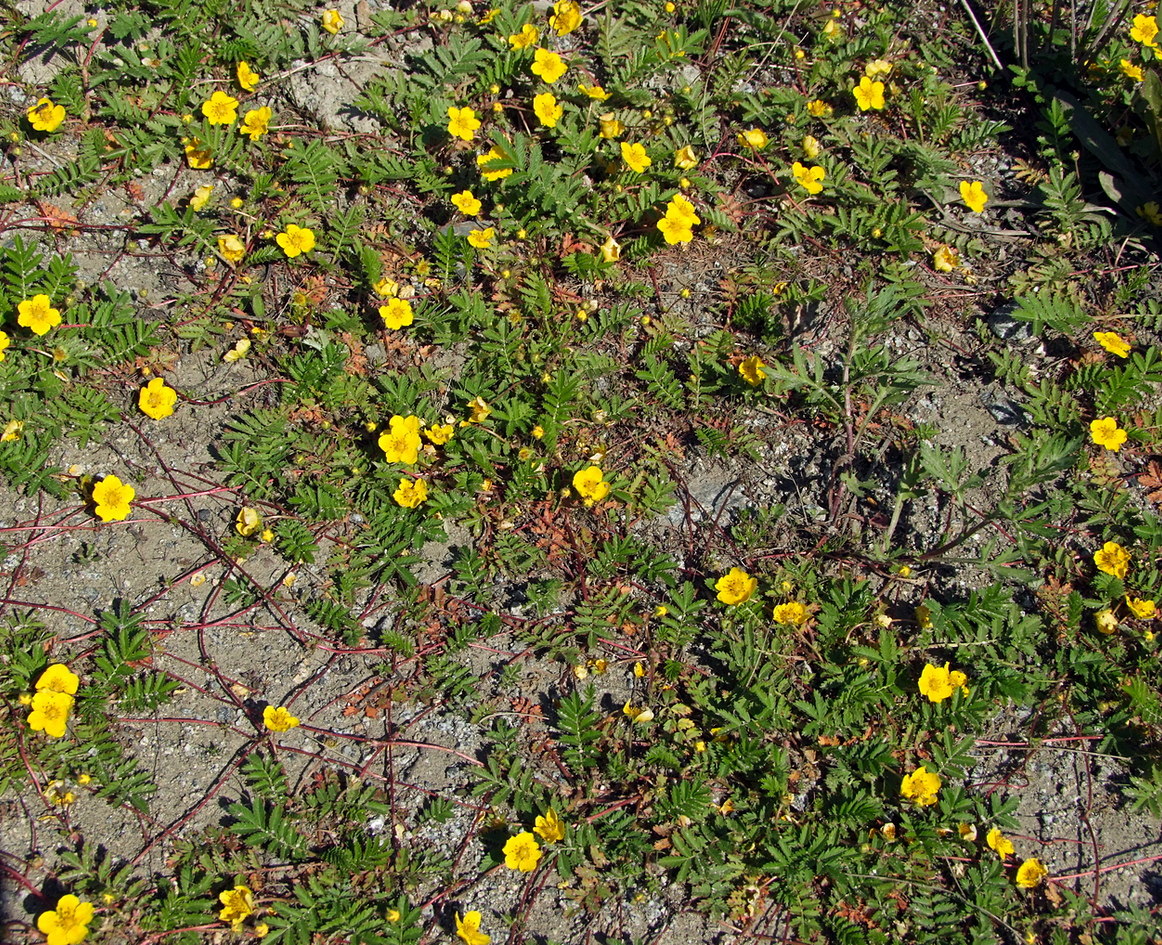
(68, 923)
(396, 313)
(522, 852)
(50, 712)
(755, 139)
(1112, 559)
(590, 484)
(967, 832)
(609, 127)
(610, 252)
(1131, 71)
(566, 17)
(238, 905)
(869, 94)
(468, 929)
(238, 352)
(1144, 30)
(1106, 432)
(549, 827)
(791, 614)
(332, 21)
(735, 587)
(494, 154)
(12, 431)
(1030, 873)
(112, 497)
(296, 240)
(752, 371)
(156, 400)
(220, 109)
(677, 224)
(1150, 212)
(1142, 609)
(278, 719)
(527, 37)
(973, 195)
(819, 109)
(636, 715)
(595, 92)
(466, 203)
(878, 69)
(247, 522)
(685, 159)
(247, 77)
(5, 341)
(548, 65)
(198, 156)
(232, 248)
(547, 110)
(810, 178)
(38, 314)
(811, 147)
(999, 842)
(1105, 621)
(481, 239)
(58, 678)
(411, 492)
(938, 684)
(945, 259)
(478, 410)
(201, 196)
(1114, 343)
(920, 787)
(462, 123)
(635, 157)
(401, 442)
(439, 435)
(46, 116)
(256, 122)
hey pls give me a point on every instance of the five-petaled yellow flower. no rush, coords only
(237, 906)
(401, 442)
(1000, 843)
(590, 484)
(791, 614)
(58, 678)
(677, 226)
(111, 498)
(548, 66)
(1106, 432)
(466, 203)
(332, 21)
(410, 493)
(468, 929)
(256, 122)
(1141, 609)
(38, 315)
(1144, 30)
(566, 17)
(296, 240)
(462, 123)
(397, 313)
(522, 852)
(247, 78)
(156, 399)
(198, 156)
(595, 92)
(635, 157)
(735, 587)
(527, 37)
(549, 827)
(1112, 559)
(439, 434)
(220, 109)
(755, 139)
(481, 239)
(751, 370)
(817, 108)
(547, 110)
(278, 719)
(68, 924)
(920, 787)
(939, 683)
(50, 712)
(1031, 873)
(809, 178)
(1114, 343)
(45, 115)
(972, 193)
(869, 94)
(248, 521)
(231, 247)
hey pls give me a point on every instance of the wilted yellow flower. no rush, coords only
(811, 147)
(201, 196)
(1106, 432)
(685, 159)
(819, 109)
(1000, 843)
(439, 435)
(248, 521)
(1131, 71)
(566, 17)
(809, 178)
(595, 92)
(220, 109)
(156, 400)
(1112, 559)
(332, 21)
(278, 719)
(198, 156)
(527, 37)
(945, 259)
(610, 250)
(231, 247)
(247, 77)
(45, 115)
(522, 852)
(1105, 621)
(878, 69)
(609, 126)
(1142, 609)
(238, 906)
(735, 587)
(478, 410)
(549, 827)
(1114, 343)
